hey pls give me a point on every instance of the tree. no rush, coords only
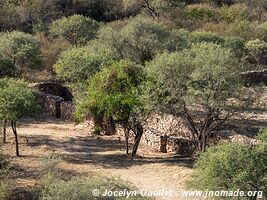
(141, 39)
(113, 93)
(77, 29)
(233, 166)
(79, 64)
(195, 84)
(21, 50)
(16, 101)
(257, 49)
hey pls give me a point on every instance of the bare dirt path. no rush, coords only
(82, 154)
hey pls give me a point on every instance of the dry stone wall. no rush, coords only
(159, 127)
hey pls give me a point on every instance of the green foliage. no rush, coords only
(138, 41)
(235, 12)
(262, 31)
(178, 40)
(78, 64)
(16, 100)
(203, 36)
(77, 29)
(81, 188)
(7, 68)
(231, 167)
(21, 49)
(241, 28)
(236, 45)
(204, 75)
(257, 49)
(201, 12)
(5, 186)
(113, 92)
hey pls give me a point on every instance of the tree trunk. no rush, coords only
(109, 125)
(14, 128)
(138, 135)
(126, 133)
(4, 131)
(98, 122)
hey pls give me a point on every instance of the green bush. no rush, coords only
(7, 68)
(236, 45)
(201, 12)
(235, 12)
(262, 31)
(203, 36)
(233, 166)
(77, 29)
(52, 188)
(78, 64)
(5, 186)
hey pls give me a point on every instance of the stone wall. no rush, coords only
(55, 99)
(254, 77)
(67, 109)
(55, 89)
(173, 128)
(50, 103)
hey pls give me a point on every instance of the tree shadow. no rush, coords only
(104, 151)
(248, 127)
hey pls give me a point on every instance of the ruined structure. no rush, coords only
(55, 99)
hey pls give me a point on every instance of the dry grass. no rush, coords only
(84, 154)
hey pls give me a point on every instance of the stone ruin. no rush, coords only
(55, 99)
(255, 77)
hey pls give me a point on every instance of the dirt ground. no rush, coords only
(84, 154)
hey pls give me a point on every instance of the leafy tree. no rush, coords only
(257, 49)
(113, 93)
(16, 101)
(141, 39)
(200, 79)
(20, 50)
(78, 64)
(233, 166)
(77, 29)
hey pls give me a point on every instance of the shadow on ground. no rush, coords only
(106, 151)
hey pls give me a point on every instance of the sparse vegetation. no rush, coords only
(233, 166)
(201, 64)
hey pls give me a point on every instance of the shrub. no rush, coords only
(78, 64)
(257, 50)
(262, 31)
(231, 167)
(81, 188)
(7, 68)
(5, 186)
(201, 12)
(203, 36)
(77, 29)
(178, 40)
(236, 45)
(235, 12)
(241, 28)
